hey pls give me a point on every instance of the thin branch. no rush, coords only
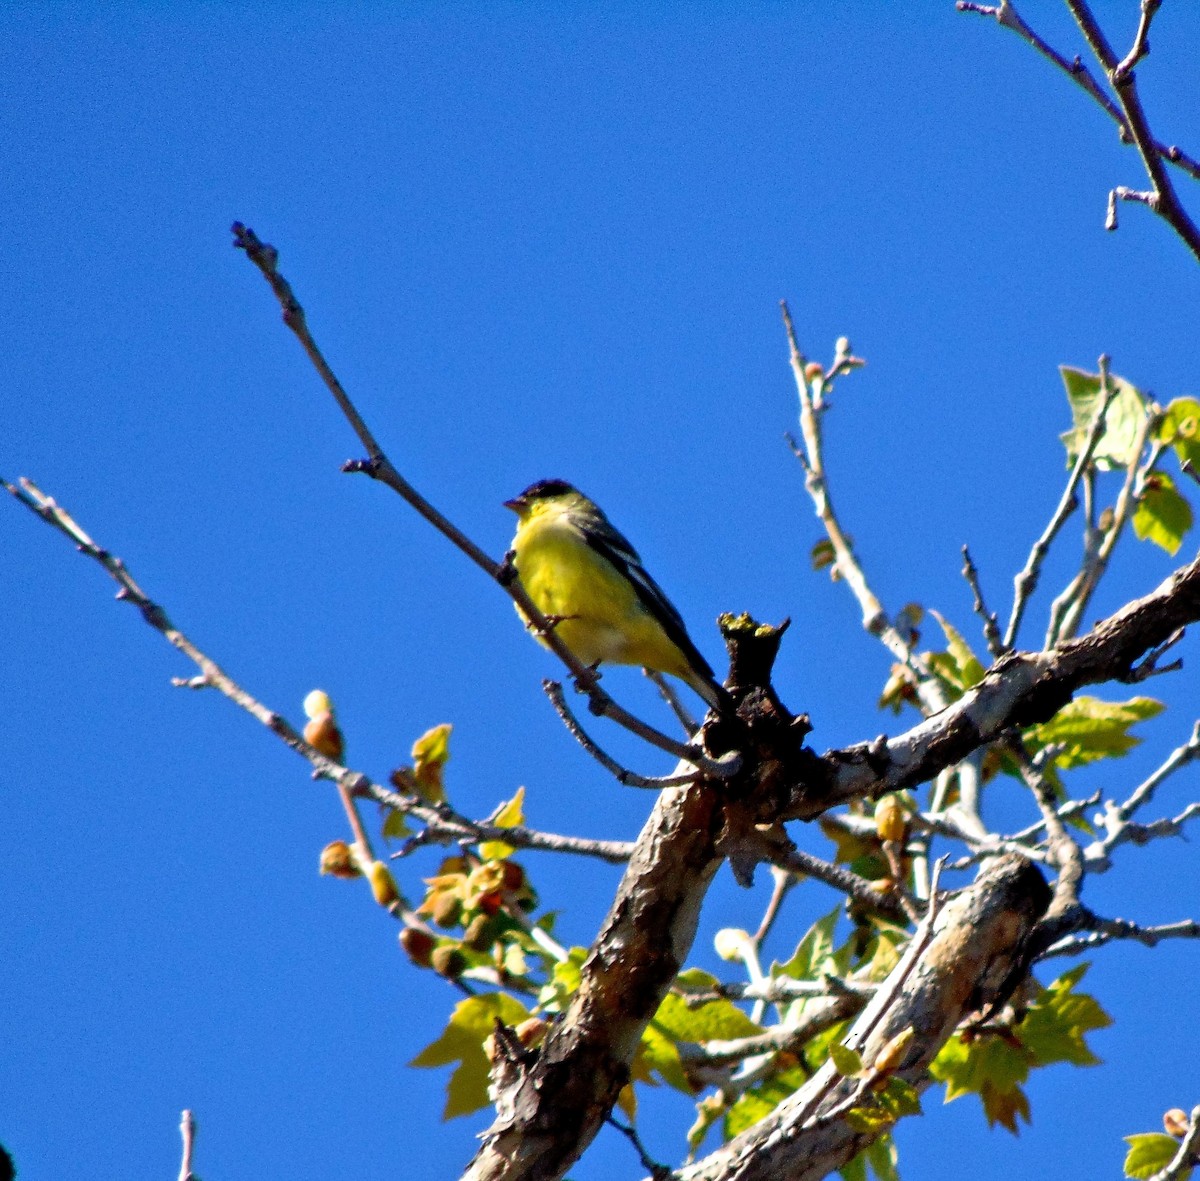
(781, 885)
(674, 703)
(797, 861)
(554, 691)
(656, 1171)
(1179, 757)
(991, 631)
(1187, 1155)
(777, 990)
(1098, 931)
(379, 467)
(187, 1130)
(1006, 16)
(1124, 82)
(1025, 583)
(1097, 854)
(874, 618)
(1067, 610)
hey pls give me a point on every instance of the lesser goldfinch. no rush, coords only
(583, 574)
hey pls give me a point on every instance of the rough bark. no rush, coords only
(974, 953)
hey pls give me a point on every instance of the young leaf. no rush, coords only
(1122, 422)
(462, 1042)
(1162, 515)
(963, 669)
(848, 1062)
(1053, 1029)
(760, 1101)
(510, 815)
(1180, 427)
(883, 1159)
(1005, 1107)
(1090, 729)
(814, 954)
(430, 754)
(1150, 1152)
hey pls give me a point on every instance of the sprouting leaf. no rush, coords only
(1005, 1107)
(1180, 426)
(1089, 729)
(848, 1062)
(394, 826)
(814, 954)
(1150, 1152)
(556, 995)
(1162, 515)
(430, 754)
(1053, 1028)
(510, 815)
(967, 670)
(462, 1042)
(883, 1158)
(1122, 423)
(760, 1101)
(823, 554)
(967, 1067)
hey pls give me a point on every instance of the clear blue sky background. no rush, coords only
(533, 240)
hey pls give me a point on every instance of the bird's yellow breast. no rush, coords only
(600, 615)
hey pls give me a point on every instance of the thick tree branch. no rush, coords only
(977, 941)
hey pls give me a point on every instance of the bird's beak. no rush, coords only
(516, 504)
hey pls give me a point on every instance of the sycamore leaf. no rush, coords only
(1122, 422)
(869, 1119)
(814, 955)
(847, 1061)
(394, 825)
(718, 1020)
(510, 815)
(1053, 1028)
(1162, 515)
(968, 1067)
(1180, 426)
(462, 1042)
(760, 1101)
(883, 1159)
(430, 754)
(964, 668)
(1090, 729)
(1150, 1152)
(660, 1054)
(1006, 1108)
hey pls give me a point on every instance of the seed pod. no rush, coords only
(418, 945)
(337, 860)
(891, 823)
(448, 961)
(383, 885)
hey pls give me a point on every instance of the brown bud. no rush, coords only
(337, 860)
(480, 933)
(383, 885)
(445, 908)
(531, 1031)
(892, 1055)
(418, 944)
(514, 875)
(1175, 1122)
(448, 961)
(891, 822)
(323, 734)
(813, 371)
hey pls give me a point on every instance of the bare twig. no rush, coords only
(554, 691)
(1067, 610)
(1164, 201)
(781, 884)
(689, 723)
(187, 1129)
(1187, 1155)
(874, 618)
(1120, 832)
(1179, 757)
(1098, 931)
(1006, 16)
(991, 632)
(797, 861)
(657, 1172)
(777, 990)
(1026, 581)
(379, 467)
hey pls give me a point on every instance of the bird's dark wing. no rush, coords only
(614, 546)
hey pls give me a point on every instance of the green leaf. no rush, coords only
(556, 995)
(1122, 422)
(854, 1169)
(1005, 1107)
(968, 1067)
(760, 1101)
(510, 815)
(1162, 515)
(462, 1042)
(394, 826)
(883, 1158)
(964, 668)
(660, 1054)
(1180, 426)
(848, 1062)
(714, 1020)
(869, 1118)
(814, 955)
(1090, 729)
(900, 1098)
(1053, 1029)
(1150, 1152)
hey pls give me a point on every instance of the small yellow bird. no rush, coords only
(582, 573)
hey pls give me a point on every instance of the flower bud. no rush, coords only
(383, 885)
(418, 945)
(337, 860)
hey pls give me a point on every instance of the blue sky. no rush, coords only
(533, 241)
